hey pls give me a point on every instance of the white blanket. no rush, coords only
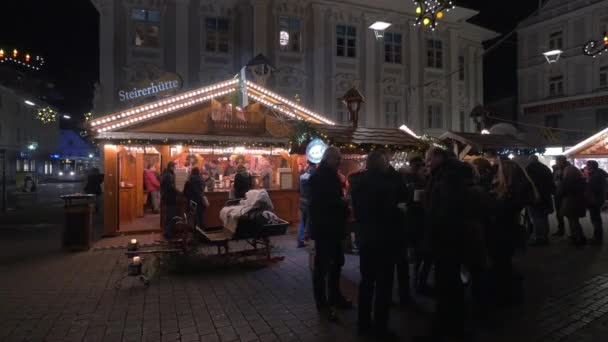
(230, 215)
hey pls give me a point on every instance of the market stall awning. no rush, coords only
(195, 139)
(477, 143)
(390, 137)
(594, 146)
(169, 105)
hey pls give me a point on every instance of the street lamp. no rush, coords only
(379, 27)
(552, 56)
(353, 100)
(67, 117)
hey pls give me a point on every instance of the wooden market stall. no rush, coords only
(200, 128)
(466, 144)
(594, 147)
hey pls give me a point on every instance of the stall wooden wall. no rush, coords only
(110, 184)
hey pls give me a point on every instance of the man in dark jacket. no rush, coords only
(445, 220)
(596, 197)
(304, 200)
(558, 176)
(194, 192)
(375, 202)
(542, 178)
(168, 197)
(328, 213)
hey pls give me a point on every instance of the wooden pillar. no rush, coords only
(110, 193)
(139, 185)
(165, 157)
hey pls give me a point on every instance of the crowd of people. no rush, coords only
(461, 221)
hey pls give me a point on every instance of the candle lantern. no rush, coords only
(353, 100)
(135, 266)
(133, 246)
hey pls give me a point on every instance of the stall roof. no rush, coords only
(595, 145)
(196, 138)
(368, 136)
(482, 142)
(169, 105)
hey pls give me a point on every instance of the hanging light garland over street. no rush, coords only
(595, 48)
(47, 115)
(430, 11)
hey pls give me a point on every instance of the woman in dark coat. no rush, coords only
(242, 182)
(194, 191)
(573, 203)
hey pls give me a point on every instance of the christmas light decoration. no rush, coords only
(429, 11)
(25, 60)
(88, 116)
(595, 48)
(47, 115)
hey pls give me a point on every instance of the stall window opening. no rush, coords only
(147, 28)
(392, 48)
(290, 34)
(434, 116)
(217, 30)
(346, 41)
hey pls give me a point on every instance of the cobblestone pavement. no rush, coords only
(57, 296)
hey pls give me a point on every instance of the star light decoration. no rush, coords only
(595, 48)
(429, 11)
(47, 115)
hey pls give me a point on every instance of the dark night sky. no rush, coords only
(66, 33)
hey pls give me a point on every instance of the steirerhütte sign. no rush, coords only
(154, 88)
(145, 80)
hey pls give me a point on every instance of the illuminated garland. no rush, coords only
(595, 48)
(429, 11)
(88, 116)
(47, 115)
(23, 60)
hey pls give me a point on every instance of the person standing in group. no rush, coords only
(542, 178)
(304, 203)
(194, 192)
(243, 181)
(558, 175)
(152, 186)
(328, 212)
(93, 186)
(573, 203)
(444, 218)
(596, 190)
(375, 198)
(168, 197)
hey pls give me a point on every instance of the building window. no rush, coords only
(461, 68)
(552, 121)
(601, 118)
(391, 113)
(289, 34)
(392, 47)
(341, 113)
(434, 116)
(147, 28)
(604, 77)
(217, 35)
(346, 41)
(556, 41)
(434, 54)
(556, 86)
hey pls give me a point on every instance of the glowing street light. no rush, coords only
(552, 56)
(29, 103)
(379, 27)
(67, 117)
(485, 131)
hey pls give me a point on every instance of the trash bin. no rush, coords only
(78, 228)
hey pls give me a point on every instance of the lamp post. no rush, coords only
(552, 56)
(353, 100)
(379, 27)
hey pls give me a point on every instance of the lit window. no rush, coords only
(552, 120)
(461, 68)
(391, 113)
(146, 27)
(434, 54)
(217, 35)
(392, 48)
(434, 116)
(290, 34)
(556, 86)
(556, 41)
(604, 77)
(346, 41)
(341, 113)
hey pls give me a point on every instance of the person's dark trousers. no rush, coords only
(450, 313)
(576, 230)
(540, 221)
(377, 265)
(329, 259)
(403, 275)
(560, 218)
(595, 214)
(170, 213)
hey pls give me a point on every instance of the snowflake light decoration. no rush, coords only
(88, 116)
(595, 48)
(47, 115)
(430, 11)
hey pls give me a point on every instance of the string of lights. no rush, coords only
(25, 60)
